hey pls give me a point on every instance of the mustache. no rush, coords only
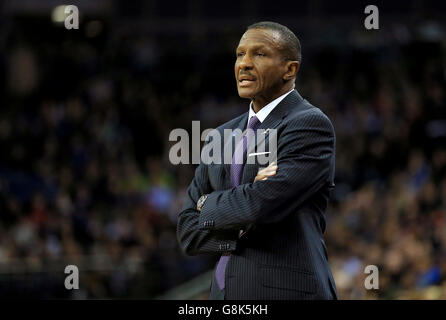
(247, 74)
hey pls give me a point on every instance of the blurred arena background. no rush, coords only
(85, 116)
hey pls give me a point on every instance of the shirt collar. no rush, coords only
(266, 110)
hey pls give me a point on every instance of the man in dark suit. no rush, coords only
(267, 224)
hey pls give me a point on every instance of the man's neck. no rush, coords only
(260, 102)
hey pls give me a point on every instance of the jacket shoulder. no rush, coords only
(307, 114)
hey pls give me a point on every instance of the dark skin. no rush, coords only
(262, 71)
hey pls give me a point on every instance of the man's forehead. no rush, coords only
(261, 36)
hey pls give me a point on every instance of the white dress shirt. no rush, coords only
(265, 111)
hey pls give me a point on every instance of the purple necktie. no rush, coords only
(237, 164)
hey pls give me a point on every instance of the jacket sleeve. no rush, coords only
(191, 238)
(304, 153)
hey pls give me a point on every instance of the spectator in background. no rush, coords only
(83, 170)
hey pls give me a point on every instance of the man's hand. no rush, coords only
(264, 173)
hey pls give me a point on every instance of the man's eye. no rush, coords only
(240, 54)
(260, 54)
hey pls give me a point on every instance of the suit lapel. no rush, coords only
(273, 120)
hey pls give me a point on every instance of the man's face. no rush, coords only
(259, 67)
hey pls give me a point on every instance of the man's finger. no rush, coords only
(269, 170)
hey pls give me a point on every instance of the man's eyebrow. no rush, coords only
(253, 47)
(259, 46)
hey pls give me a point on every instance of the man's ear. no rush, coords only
(292, 67)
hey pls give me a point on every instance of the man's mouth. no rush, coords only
(245, 81)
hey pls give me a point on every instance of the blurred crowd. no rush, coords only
(389, 207)
(85, 177)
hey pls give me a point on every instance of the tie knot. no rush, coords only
(253, 123)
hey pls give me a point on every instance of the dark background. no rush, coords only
(85, 116)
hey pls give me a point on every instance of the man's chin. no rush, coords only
(244, 93)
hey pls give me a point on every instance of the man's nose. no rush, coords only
(246, 62)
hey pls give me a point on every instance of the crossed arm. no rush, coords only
(304, 154)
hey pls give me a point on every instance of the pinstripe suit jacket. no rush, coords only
(283, 254)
